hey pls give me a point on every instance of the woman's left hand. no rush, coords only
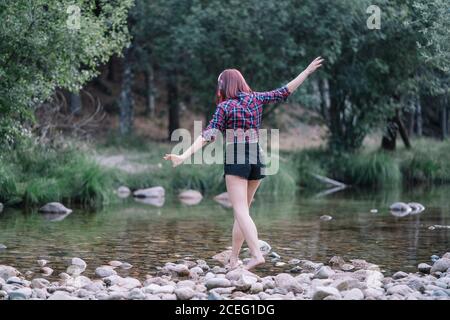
(176, 159)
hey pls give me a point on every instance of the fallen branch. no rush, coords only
(329, 181)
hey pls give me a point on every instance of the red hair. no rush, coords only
(230, 83)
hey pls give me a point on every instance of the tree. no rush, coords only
(46, 45)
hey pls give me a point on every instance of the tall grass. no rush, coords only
(33, 174)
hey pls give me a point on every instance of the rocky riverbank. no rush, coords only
(196, 280)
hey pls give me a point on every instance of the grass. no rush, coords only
(32, 175)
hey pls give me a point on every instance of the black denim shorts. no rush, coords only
(244, 160)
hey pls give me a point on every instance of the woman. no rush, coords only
(240, 109)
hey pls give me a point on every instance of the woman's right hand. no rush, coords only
(176, 159)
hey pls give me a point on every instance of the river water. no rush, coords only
(148, 236)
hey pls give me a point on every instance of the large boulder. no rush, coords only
(440, 265)
(154, 192)
(7, 272)
(55, 207)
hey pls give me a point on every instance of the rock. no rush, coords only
(115, 263)
(439, 293)
(279, 264)
(18, 281)
(218, 269)
(136, 294)
(326, 217)
(275, 255)
(167, 296)
(373, 210)
(245, 282)
(400, 206)
(55, 207)
(94, 287)
(424, 267)
(186, 284)
(400, 289)
(264, 247)
(39, 283)
(347, 267)
(61, 295)
(80, 263)
(179, 269)
(20, 294)
(224, 200)
(416, 284)
(46, 271)
(287, 282)
(434, 258)
(431, 227)
(105, 271)
(7, 272)
(320, 293)
(3, 247)
(3, 294)
(197, 270)
(354, 294)
(155, 192)
(446, 255)
(217, 283)
(336, 261)
(74, 270)
(42, 262)
(126, 265)
(184, 293)
(40, 294)
(294, 261)
(296, 269)
(190, 197)
(399, 275)
(309, 266)
(344, 284)
(123, 192)
(256, 288)
(324, 272)
(83, 293)
(416, 207)
(167, 289)
(373, 293)
(214, 296)
(440, 265)
(223, 257)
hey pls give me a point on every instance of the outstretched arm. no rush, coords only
(177, 160)
(294, 84)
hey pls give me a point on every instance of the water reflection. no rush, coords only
(147, 235)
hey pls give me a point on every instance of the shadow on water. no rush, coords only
(148, 236)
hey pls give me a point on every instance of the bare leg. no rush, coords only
(237, 191)
(238, 236)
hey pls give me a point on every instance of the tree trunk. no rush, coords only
(126, 96)
(419, 118)
(444, 123)
(172, 101)
(150, 86)
(389, 140)
(75, 102)
(111, 69)
(402, 130)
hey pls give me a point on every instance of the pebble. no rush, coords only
(326, 218)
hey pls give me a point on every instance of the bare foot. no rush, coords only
(233, 264)
(254, 262)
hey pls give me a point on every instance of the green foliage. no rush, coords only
(428, 163)
(39, 52)
(376, 169)
(37, 174)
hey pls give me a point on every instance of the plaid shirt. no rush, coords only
(240, 118)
